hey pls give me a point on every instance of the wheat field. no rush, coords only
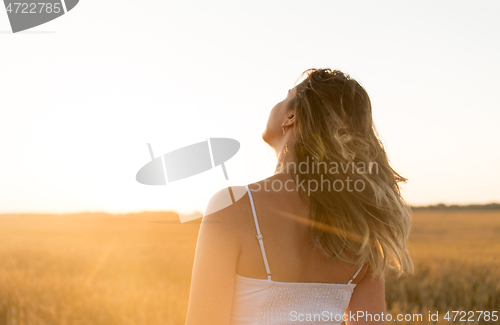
(136, 268)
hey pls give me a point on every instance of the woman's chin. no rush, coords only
(266, 138)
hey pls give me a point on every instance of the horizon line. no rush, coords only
(485, 206)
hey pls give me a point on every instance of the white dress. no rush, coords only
(266, 302)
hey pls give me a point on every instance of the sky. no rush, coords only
(82, 96)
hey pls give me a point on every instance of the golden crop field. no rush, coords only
(136, 269)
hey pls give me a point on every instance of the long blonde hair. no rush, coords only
(334, 130)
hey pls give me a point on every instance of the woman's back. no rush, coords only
(307, 288)
(284, 223)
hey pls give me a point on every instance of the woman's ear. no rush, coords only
(289, 121)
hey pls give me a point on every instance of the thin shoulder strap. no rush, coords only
(355, 274)
(259, 235)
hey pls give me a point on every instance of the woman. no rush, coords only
(332, 220)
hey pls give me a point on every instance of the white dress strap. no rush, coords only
(355, 274)
(259, 235)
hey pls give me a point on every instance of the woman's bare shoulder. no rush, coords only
(229, 205)
(232, 206)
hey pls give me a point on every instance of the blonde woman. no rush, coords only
(312, 243)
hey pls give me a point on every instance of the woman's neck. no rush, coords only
(286, 159)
